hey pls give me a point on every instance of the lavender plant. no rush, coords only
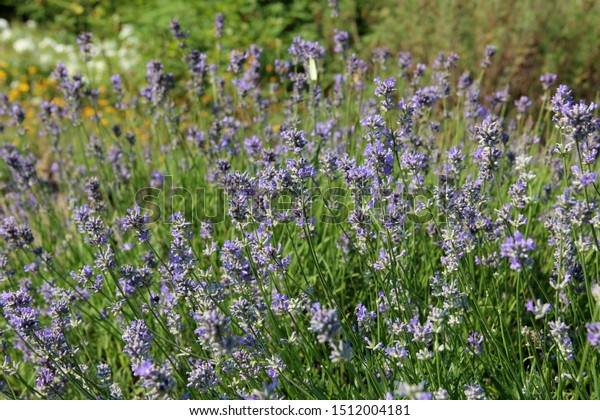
(324, 226)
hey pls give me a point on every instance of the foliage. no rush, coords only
(532, 36)
(327, 224)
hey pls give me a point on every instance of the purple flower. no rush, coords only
(381, 56)
(156, 380)
(137, 339)
(294, 139)
(159, 83)
(157, 178)
(593, 334)
(577, 120)
(340, 39)
(334, 10)
(405, 390)
(22, 167)
(561, 98)
(404, 62)
(213, 329)
(18, 311)
(73, 90)
(379, 157)
(421, 333)
(134, 278)
(84, 40)
(325, 323)
(560, 333)
(364, 317)
(522, 104)
(582, 179)
(548, 79)
(474, 391)
(177, 32)
(517, 249)
(280, 303)
(304, 50)
(489, 52)
(203, 377)
(538, 309)
(85, 277)
(385, 88)
(16, 235)
(236, 61)
(137, 221)
(219, 22)
(475, 341)
(198, 67)
(117, 83)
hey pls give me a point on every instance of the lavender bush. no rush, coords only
(328, 225)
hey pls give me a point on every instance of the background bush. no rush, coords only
(532, 36)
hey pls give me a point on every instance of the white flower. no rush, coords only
(47, 43)
(6, 34)
(60, 48)
(126, 31)
(596, 293)
(23, 45)
(97, 67)
(46, 59)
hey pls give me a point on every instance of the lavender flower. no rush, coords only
(203, 377)
(84, 40)
(18, 311)
(475, 341)
(582, 179)
(178, 33)
(159, 84)
(334, 10)
(548, 79)
(219, 22)
(16, 235)
(538, 309)
(404, 62)
(137, 222)
(411, 392)
(236, 61)
(518, 249)
(156, 379)
(593, 334)
(522, 104)
(340, 39)
(489, 52)
(137, 339)
(577, 120)
(85, 277)
(560, 333)
(381, 56)
(117, 83)
(324, 322)
(196, 63)
(474, 391)
(305, 50)
(72, 88)
(379, 157)
(385, 88)
(294, 139)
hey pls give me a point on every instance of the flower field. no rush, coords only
(330, 224)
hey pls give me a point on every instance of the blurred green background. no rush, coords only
(532, 36)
